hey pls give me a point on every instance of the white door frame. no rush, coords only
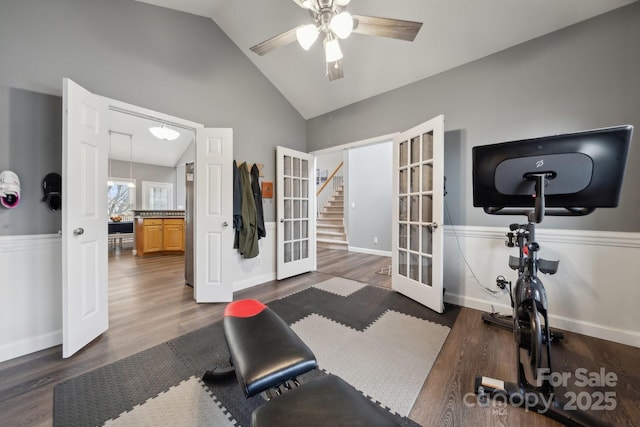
(348, 146)
(355, 144)
(99, 285)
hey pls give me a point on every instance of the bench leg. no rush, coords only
(217, 373)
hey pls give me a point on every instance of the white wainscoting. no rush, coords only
(595, 291)
(249, 272)
(30, 294)
(31, 288)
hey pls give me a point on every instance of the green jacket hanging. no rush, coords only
(248, 239)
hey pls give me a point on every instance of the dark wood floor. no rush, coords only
(150, 304)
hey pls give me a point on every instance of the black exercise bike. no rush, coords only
(530, 323)
(571, 174)
(530, 309)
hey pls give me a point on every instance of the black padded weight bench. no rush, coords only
(268, 356)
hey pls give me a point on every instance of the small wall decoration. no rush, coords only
(9, 189)
(52, 189)
(267, 190)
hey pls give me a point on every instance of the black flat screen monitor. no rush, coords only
(584, 170)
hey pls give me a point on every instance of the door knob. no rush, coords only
(281, 219)
(78, 231)
(224, 224)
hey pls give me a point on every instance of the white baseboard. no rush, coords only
(30, 345)
(628, 337)
(369, 251)
(592, 287)
(253, 281)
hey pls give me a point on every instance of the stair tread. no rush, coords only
(330, 231)
(319, 239)
(322, 234)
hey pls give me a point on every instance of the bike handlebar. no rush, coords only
(539, 209)
(566, 211)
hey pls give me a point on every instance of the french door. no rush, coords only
(295, 202)
(418, 182)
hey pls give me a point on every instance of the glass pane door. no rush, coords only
(296, 240)
(415, 207)
(418, 193)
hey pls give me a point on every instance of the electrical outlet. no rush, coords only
(375, 240)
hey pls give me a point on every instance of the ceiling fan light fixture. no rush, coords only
(342, 2)
(342, 24)
(332, 49)
(163, 132)
(307, 35)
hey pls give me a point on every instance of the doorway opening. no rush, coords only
(144, 173)
(364, 187)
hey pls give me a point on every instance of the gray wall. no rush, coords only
(164, 60)
(30, 145)
(329, 162)
(369, 200)
(582, 77)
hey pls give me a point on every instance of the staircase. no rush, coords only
(330, 224)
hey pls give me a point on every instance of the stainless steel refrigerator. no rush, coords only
(189, 226)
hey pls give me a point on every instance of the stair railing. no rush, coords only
(328, 188)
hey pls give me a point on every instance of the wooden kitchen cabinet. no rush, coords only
(173, 234)
(159, 235)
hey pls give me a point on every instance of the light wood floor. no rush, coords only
(150, 304)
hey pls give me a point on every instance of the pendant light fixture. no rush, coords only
(164, 132)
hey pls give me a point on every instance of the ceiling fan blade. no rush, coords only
(275, 42)
(305, 4)
(334, 70)
(386, 27)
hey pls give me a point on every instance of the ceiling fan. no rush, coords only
(331, 18)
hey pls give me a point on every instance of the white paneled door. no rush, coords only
(85, 150)
(418, 182)
(85, 304)
(295, 201)
(213, 215)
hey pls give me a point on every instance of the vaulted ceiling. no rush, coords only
(454, 32)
